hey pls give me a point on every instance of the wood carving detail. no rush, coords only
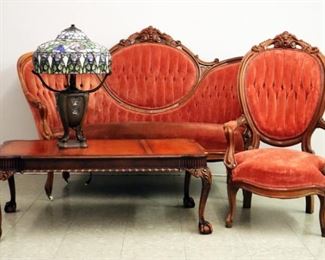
(203, 173)
(150, 34)
(5, 175)
(288, 41)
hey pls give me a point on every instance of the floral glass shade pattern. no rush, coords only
(72, 52)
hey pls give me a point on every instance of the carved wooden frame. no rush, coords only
(283, 41)
(155, 36)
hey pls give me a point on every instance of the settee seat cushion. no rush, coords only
(209, 136)
(279, 168)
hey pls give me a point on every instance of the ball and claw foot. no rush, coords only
(205, 227)
(10, 207)
(188, 202)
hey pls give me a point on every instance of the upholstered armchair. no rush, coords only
(281, 89)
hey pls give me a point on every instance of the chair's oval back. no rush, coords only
(282, 89)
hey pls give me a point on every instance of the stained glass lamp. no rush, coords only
(72, 53)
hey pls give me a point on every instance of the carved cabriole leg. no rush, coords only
(204, 173)
(232, 191)
(11, 205)
(66, 176)
(322, 214)
(310, 204)
(247, 195)
(188, 201)
(49, 185)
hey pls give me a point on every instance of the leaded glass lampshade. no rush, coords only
(72, 52)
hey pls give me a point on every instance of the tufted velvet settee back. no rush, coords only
(157, 89)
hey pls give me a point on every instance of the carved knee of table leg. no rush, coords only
(188, 201)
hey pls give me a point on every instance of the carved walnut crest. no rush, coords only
(288, 41)
(150, 34)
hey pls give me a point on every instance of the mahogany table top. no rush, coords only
(126, 154)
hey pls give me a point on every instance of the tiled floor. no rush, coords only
(141, 217)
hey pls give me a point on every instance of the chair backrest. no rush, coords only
(281, 88)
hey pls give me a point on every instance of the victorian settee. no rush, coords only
(158, 89)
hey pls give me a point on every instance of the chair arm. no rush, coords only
(229, 129)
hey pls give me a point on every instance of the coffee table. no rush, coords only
(141, 155)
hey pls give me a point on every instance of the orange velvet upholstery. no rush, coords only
(151, 75)
(279, 168)
(282, 89)
(155, 90)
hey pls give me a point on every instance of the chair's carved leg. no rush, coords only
(232, 191)
(188, 201)
(66, 176)
(322, 214)
(11, 205)
(310, 204)
(204, 173)
(49, 185)
(87, 182)
(247, 195)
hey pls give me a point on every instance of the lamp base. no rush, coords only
(72, 144)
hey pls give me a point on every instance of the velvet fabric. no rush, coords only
(213, 101)
(152, 75)
(283, 89)
(279, 168)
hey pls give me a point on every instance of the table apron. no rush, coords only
(101, 164)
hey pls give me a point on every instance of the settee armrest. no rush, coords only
(229, 129)
(44, 128)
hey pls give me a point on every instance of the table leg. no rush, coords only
(11, 205)
(188, 201)
(49, 185)
(204, 173)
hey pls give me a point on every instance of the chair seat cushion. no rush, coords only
(279, 168)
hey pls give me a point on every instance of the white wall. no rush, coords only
(211, 29)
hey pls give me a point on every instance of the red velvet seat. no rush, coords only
(281, 87)
(279, 169)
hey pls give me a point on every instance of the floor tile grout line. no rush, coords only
(23, 214)
(300, 240)
(124, 234)
(65, 235)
